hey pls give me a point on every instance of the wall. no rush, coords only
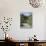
(12, 8)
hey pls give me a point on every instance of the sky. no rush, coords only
(27, 13)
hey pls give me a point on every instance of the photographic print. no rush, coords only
(26, 19)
